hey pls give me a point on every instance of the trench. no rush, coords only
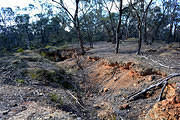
(104, 83)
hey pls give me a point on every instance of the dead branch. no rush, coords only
(162, 90)
(76, 99)
(162, 65)
(161, 81)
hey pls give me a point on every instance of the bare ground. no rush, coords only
(101, 80)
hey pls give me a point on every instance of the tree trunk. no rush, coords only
(80, 40)
(127, 31)
(145, 32)
(140, 40)
(90, 40)
(175, 27)
(112, 28)
(170, 34)
(118, 27)
(77, 26)
(28, 38)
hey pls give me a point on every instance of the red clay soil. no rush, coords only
(168, 109)
(116, 76)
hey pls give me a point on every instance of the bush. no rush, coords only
(21, 81)
(55, 98)
(20, 50)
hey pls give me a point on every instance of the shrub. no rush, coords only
(20, 50)
(55, 98)
(21, 81)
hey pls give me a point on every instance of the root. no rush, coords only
(161, 81)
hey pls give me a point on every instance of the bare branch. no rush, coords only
(64, 8)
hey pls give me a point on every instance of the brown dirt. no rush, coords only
(168, 109)
(104, 81)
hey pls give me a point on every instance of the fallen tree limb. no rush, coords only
(162, 65)
(161, 81)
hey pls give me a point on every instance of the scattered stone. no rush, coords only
(152, 77)
(106, 90)
(97, 106)
(134, 84)
(168, 109)
(5, 112)
(124, 106)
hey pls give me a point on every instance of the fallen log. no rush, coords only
(161, 81)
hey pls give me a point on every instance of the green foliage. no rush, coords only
(132, 39)
(20, 50)
(48, 46)
(55, 98)
(65, 46)
(21, 81)
(43, 54)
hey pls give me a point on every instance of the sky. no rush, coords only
(25, 3)
(14, 3)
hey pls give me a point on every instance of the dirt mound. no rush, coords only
(59, 54)
(168, 109)
(121, 75)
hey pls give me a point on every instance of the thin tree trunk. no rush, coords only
(127, 31)
(118, 27)
(77, 26)
(175, 27)
(170, 34)
(112, 28)
(80, 40)
(145, 32)
(140, 40)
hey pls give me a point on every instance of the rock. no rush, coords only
(124, 106)
(97, 106)
(151, 78)
(104, 111)
(93, 58)
(134, 84)
(177, 92)
(5, 112)
(106, 89)
(168, 109)
(146, 71)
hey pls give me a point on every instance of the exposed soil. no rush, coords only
(61, 84)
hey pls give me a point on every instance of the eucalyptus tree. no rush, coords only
(119, 25)
(108, 5)
(75, 19)
(23, 25)
(6, 16)
(141, 14)
(172, 11)
(6, 21)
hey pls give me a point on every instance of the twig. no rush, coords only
(162, 90)
(162, 65)
(162, 80)
(76, 99)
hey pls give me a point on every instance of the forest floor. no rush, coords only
(57, 84)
